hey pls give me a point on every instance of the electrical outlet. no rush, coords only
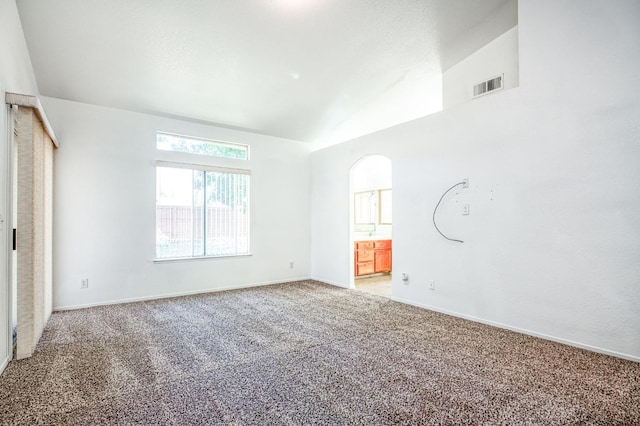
(405, 278)
(465, 209)
(465, 182)
(290, 265)
(432, 285)
(84, 283)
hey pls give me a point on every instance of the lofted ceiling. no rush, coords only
(311, 70)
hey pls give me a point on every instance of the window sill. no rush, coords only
(188, 259)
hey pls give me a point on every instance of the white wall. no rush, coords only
(16, 75)
(104, 209)
(16, 72)
(371, 172)
(399, 103)
(551, 244)
(468, 40)
(498, 57)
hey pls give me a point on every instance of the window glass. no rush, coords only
(385, 206)
(191, 145)
(201, 213)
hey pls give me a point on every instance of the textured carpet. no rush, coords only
(305, 353)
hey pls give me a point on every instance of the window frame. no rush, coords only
(200, 139)
(381, 206)
(205, 168)
(204, 163)
(375, 209)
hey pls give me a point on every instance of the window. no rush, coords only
(191, 145)
(372, 207)
(201, 213)
(385, 207)
(201, 210)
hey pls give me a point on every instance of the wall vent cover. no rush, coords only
(488, 86)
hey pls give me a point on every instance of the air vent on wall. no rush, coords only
(487, 86)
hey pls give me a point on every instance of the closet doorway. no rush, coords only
(371, 225)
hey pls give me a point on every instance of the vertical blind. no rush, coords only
(34, 236)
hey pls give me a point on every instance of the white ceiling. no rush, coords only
(310, 70)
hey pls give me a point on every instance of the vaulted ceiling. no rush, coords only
(309, 70)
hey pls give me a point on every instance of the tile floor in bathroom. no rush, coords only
(379, 285)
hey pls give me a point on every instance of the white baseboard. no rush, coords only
(335, 283)
(4, 364)
(176, 294)
(521, 330)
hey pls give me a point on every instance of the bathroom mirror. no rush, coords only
(366, 207)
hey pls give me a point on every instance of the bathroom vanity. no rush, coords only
(372, 257)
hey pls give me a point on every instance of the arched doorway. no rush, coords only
(371, 225)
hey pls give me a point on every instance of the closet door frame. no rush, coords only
(6, 242)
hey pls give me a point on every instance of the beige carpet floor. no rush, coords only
(305, 353)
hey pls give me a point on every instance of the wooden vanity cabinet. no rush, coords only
(372, 257)
(364, 258)
(382, 256)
